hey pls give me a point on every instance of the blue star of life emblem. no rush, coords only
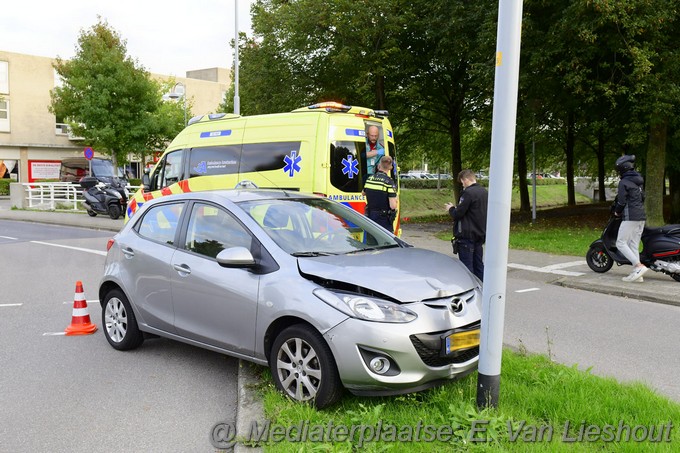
(292, 163)
(350, 166)
(201, 168)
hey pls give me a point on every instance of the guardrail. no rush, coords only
(56, 195)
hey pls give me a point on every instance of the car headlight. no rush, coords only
(365, 307)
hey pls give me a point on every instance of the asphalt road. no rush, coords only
(77, 394)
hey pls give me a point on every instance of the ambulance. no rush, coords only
(317, 149)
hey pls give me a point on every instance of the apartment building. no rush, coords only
(33, 141)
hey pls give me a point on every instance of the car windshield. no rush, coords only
(316, 226)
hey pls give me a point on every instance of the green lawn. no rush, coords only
(543, 407)
(558, 230)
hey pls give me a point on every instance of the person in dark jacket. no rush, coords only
(469, 222)
(629, 205)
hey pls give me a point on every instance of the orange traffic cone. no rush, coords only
(80, 322)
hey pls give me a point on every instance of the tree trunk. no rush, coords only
(600, 168)
(380, 91)
(674, 189)
(656, 164)
(525, 203)
(571, 143)
(456, 160)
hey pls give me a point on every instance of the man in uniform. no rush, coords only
(469, 222)
(381, 195)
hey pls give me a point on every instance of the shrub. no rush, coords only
(4, 186)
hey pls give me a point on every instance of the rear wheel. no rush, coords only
(114, 211)
(120, 324)
(676, 277)
(598, 259)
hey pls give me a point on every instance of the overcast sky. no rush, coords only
(166, 36)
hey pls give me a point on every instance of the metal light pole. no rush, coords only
(237, 100)
(173, 95)
(500, 194)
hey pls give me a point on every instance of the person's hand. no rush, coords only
(448, 206)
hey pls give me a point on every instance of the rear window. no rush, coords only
(347, 168)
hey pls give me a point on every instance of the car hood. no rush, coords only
(404, 274)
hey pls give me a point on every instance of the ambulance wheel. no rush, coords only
(598, 259)
(91, 213)
(114, 211)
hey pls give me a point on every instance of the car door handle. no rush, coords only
(128, 252)
(183, 269)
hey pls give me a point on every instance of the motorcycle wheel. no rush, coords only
(114, 211)
(92, 213)
(598, 259)
(676, 277)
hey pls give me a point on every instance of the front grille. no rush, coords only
(431, 355)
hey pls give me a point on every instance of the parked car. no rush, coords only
(324, 296)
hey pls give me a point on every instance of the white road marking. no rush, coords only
(80, 249)
(53, 334)
(11, 305)
(527, 290)
(565, 265)
(545, 270)
(8, 237)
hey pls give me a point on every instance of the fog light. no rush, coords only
(380, 365)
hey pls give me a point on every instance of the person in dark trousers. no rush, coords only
(630, 206)
(469, 222)
(381, 195)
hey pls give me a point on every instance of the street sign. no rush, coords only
(89, 153)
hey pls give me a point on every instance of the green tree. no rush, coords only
(106, 97)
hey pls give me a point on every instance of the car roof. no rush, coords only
(236, 195)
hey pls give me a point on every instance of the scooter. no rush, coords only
(660, 249)
(104, 198)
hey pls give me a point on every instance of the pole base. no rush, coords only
(488, 388)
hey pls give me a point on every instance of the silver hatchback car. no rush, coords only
(324, 296)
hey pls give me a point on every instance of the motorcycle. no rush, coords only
(660, 249)
(103, 197)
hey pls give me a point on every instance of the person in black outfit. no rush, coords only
(381, 195)
(630, 207)
(469, 222)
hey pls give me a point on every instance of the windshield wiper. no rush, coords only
(378, 247)
(312, 253)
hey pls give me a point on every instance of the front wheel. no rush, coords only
(676, 277)
(598, 259)
(91, 213)
(303, 367)
(120, 324)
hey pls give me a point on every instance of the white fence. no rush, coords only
(56, 195)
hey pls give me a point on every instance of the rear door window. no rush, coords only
(347, 168)
(160, 222)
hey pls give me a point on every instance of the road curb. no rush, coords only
(249, 407)
(619, 291)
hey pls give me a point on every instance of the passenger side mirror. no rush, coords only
(236, 257)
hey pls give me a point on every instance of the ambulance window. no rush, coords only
(346, 167)
(169, 171)
(214, 160)
(271, 156)
(392, 152)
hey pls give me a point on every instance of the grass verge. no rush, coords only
(543, 406)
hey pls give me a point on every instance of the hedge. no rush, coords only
(448, 183)
(4, 186)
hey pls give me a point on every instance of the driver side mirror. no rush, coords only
(146, 181)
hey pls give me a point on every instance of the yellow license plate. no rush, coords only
(462, 340)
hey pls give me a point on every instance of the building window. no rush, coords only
(4, 77)
(4, 115)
